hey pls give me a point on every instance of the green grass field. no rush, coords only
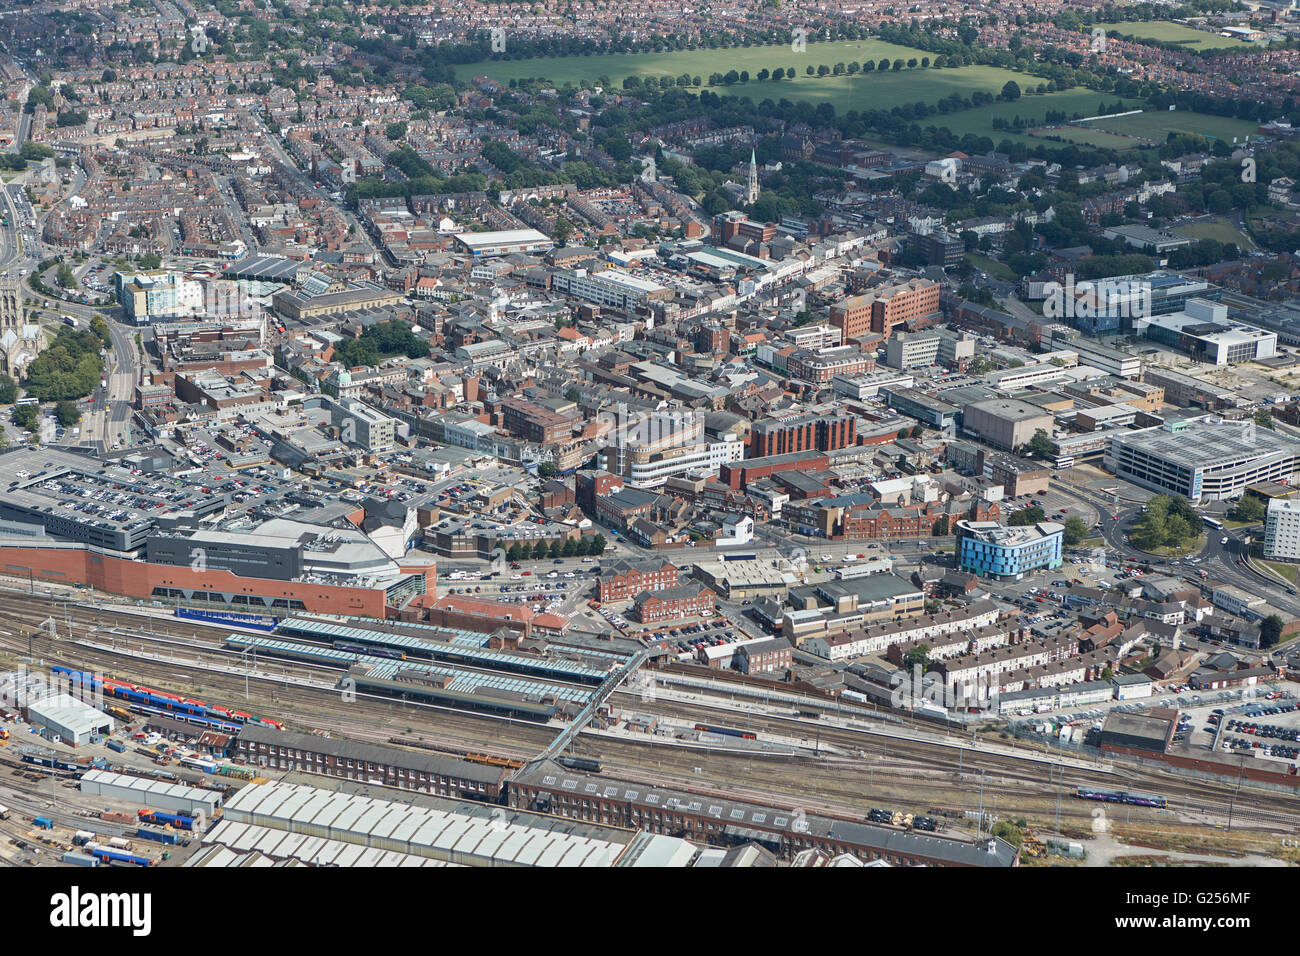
(1033, 108)
(1288, 571)
(616, 66)
(1174, 33)
(1219, 229)
(861, 92)
(1156, 125)
(999, 270)
(1091, 137)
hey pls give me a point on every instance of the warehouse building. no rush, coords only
(720, 821)
(148, 792)
(741, 580)
(1205, 460)
(469, 834)
(1005, 423)
(501, 243)
(354, 760)
(230, 844)
(65, 719)
(1149, 733)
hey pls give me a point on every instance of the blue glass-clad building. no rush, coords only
(992, 550)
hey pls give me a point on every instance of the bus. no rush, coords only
(1214, 523)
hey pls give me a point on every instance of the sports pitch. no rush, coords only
(1156, 125)
(1187, 37)
(863, 91)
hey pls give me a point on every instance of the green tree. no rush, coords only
(554, 550)
(1250, 508)
(1075, 530)
(1041, 444)
(546, 470)
(1011, 91)
(395, 131)
(1270, 631)
(918, 656)
(515, 553)
(539, 550)
(1006, 830)
(1027, 516)
(67, 413)
(598, 543)
(26, 416)
(8, 390)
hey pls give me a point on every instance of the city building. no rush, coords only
(670, 604)
(1205, 460)
(488, 244)
(993, 550)
(1282, 530)
(622, 580)
(1005, 423)
(281, 750)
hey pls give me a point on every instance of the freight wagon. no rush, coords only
(177, 820)
(200, 763)
(106, 855)
(78, 859)
(116, 746)
(168, 837)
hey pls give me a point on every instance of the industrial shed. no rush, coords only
(68, 719)
(156, 794)
(461, 832)
(1139, 733)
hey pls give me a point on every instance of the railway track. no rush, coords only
(881, 767)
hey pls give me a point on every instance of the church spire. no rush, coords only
(751, 191)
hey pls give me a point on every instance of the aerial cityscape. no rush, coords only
(597, 434)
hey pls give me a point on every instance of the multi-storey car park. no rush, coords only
(1206, 459)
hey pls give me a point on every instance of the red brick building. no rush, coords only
(795, 433)
(140, 579)
(738, 474)
(884, 307)
(772, 656)
(623, 580)
(688, 600)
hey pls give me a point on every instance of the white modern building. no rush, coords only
(1282, 530)
(65, 719)
(1207, 460)
(483, 244)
